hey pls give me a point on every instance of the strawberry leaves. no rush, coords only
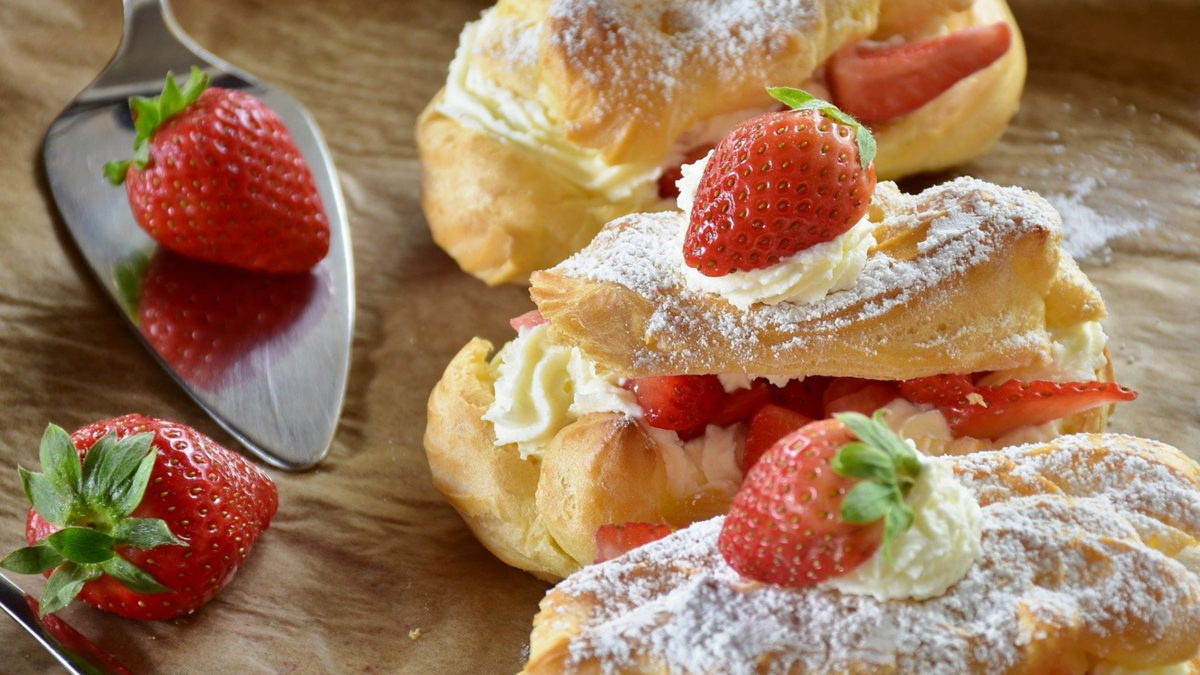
(886, 467)
(150, 113)
(91, 502)
(798, 99)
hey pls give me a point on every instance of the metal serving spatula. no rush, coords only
(278, 388)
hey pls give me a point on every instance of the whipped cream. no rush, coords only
(474, 100)
(544, 386)
(806, 276)
(709, 462)
(735, 381)
(929, 431)
(1077, 353)
(932, 555)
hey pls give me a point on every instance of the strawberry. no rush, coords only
(769, 424)
(877, 83)
(852, 394)
(778, 184)
(678, 402)
(141, 553)
(818, 504)
(616, 540)
(740, 404)
(531, 319)
(217, 176)
(204, 318)
(805, 396)
(991, 412)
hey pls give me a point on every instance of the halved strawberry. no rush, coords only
(666, 182)
(678, 402)
(740, 404)
(805, 396)
(617, 540)
(1000, 409)
(867, 397)
(531, 319)
(877, 83)
(938, 390)
(769, 424)
(818, 504)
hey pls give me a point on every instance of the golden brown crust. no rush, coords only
(623, 301)
(501, 214)
(1154, 549)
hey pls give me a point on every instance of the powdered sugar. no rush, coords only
(968, 222)
(1087, 230)
(1062, 550)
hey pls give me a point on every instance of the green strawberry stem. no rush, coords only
(887, 469)
(91, 502)
(150, 113)
(799, 99)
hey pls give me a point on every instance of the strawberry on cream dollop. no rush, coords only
(806, 276)
(931, 555)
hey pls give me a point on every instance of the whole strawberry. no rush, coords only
(819, 503)
(217, 176)
(151, 524)
(778, 184)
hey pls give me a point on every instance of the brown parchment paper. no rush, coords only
(364, 550)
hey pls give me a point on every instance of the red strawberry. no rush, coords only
(217, 176)
(740, 404)
(666, 182)
(769, 424)
(141, 553)
(531, 319)
(806, 396)
(778, 184)
(616, 540)
(938, 390)
(678, 402)
(851, 394)
(204, 318)
(877, 83)
(800, 517)
(1014, 404)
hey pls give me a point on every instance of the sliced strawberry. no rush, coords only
(678, 402)
(769, 424)
(938, 390)
(740, 404)
(666, 182)
(870, 396)
(878, 82)
(805, 396)
(998, 410)
(616, 540)
(531, 319)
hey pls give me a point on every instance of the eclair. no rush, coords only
(672, 351)
(1078, 555)
(559, 116)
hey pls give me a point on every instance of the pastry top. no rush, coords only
(966, 276)
(1090, 556)
(628, 77)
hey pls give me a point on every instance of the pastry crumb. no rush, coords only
(414, 634)
(975, 398)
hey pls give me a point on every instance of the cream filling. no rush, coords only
(1077, 353)
(928, 429)
(475, 101)
(706, 463)
(544, 386)
(806, 276)
(933, 554)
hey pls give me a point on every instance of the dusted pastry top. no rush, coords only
(1088, 545)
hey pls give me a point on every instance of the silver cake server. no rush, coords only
(278, 388)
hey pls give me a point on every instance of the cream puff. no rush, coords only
(559, 116)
